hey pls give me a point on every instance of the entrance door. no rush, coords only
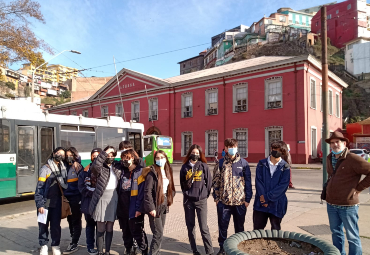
(26, 159)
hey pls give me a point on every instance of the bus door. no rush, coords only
(135, 138)
(148, 150)
(46, 144)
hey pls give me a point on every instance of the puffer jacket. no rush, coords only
(102, 171)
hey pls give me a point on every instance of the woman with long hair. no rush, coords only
(159, 192)
(196, 184)
(286, 156)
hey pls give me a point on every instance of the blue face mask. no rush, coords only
(232, 151)
(160, 162)
(336, 153)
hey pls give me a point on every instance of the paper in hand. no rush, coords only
(41, 217)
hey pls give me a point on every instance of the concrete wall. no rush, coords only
(361, 58)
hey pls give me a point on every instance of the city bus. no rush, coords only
(28, 136)
(153, 143)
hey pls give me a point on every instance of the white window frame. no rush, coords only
(267, 83)
(206, 145)
(183, 100)
(330, 98)
(207, 92)
(119, 114)
(85, 113)
(150, 110)
(267, 145)
(237, 130)
(321, 103)
(183, 152)
(235, 88)
(313, 86)
(133, 110)
(313, 144)
(103, 112)
(337, 105)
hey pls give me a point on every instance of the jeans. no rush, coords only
(90, 231)
(54, 219)
(347, 217)
(260, 220)
(75, 220)
(157, 226)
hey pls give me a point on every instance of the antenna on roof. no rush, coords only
(119, 89)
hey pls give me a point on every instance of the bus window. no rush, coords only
(164, 142)
(147, 144)
(109, 136)
(82, 141)
(135, 139)
(4, 136)
(47, 143)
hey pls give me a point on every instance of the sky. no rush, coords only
(130, 29)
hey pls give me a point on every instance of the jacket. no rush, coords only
(85, 188)
(346, 180)
(151, 192)
(72, 180)
(47, 189)
(202, 181)
(232, 184)
(273, 188)
(102, 171)
(137, 193)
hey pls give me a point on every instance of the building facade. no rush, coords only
(257, 101)
(192, 64)
(297, 19)
(52, 73)
(357, 56)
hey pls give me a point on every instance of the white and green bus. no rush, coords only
(28, 136)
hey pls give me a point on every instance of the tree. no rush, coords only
(17, 41)
(65, 94)
(10, 85)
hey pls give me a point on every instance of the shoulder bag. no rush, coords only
(66, 208)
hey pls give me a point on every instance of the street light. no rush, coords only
(33, 73)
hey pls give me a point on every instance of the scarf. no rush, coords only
(60, 175)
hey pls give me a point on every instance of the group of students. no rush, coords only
(107, 190)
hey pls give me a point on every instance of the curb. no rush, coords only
(18, 214)
(231, 243)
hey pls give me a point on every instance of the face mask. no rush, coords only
(160, 162)
(58, 157)
(69, 160)
(109, 161)
(276, 154)
(126, 163)
(337, 153)
(232, 151)
(194, 157)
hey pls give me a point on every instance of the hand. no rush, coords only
(77, 166)
(41, 210)
(357, 192)
(246, 204)
(137, 214)
(262, 199)
(217, 203)
(265, 205)
(153, 213)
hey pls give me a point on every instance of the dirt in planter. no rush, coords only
(277, 246)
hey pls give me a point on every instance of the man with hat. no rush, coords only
(342, 193)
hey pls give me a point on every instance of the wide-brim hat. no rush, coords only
(337, 135)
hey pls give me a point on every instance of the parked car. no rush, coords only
(361, 152)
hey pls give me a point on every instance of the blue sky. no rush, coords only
(135, 28)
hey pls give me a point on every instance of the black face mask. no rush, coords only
(69, 160)
(109, 161)
(125, 163)
(276, 154)
(58, 157)
(194, 157)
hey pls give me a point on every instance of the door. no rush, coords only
(135, 139)
(26, 159)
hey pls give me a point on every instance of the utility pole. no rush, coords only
(325, 87)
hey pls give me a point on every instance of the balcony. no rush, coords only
(241, 108)
(188, 114)
(274, 105)
(212, 111)
(153, 117)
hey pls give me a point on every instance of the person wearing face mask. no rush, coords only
(130, 199)
(232, 190)
(73, 195)
(52, 178)
(103, 204)
(159, 192)
(87, 188)
(272, 181)
(196, 184)
(127, 145)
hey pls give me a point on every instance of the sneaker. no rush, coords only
(71, 248)
(56, 250)
(44, 250)
(221, 252)
(92, 251)
(196, 253)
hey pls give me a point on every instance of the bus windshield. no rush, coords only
(164, 142)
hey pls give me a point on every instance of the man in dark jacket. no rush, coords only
(232, 191)
(342, 193)
(272, 181)
(86, 189)
(126, 145)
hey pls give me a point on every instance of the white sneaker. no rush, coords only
(44, 250)
(56, 250)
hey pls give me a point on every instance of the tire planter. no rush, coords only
(231, 244)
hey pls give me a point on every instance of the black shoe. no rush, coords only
(221, 252)
(73, 247)
(92, 251)
(196, 253)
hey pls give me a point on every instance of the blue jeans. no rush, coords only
(90, 231)
(347, 217)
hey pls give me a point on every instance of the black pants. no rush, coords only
(260, 220)
(74, 220)
(200, 207)
(157, 226)
(133, 229)
(224, 213)
(54, 219)
(90, 231)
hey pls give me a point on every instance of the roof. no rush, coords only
(357, 39)
(191, 58)
(365, 122)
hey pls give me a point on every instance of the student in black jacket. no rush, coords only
(159, 192)
(127, 145)
(196, 184)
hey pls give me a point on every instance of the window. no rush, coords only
(82, 141)
(211, 142)
(313, 142)
(268, 21)
(317, 23)
(273, 93)
(282, 18)
(187, 142)
(119, 111)
(153, 109)
(241, 134)
(337, 105)
(350, 46)
(211, 101)
(261, 23)
(330, 102)
(321, 103)
(109, 136)
(337, 11)
(313, 94)
(4, 136)
(135, 111)
(104, 111)
(85, 113)
(329, 16)
(187, 105)
(74, 113)
(240, 95)
(272, 134)
(348, 6)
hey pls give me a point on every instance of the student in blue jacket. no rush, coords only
(130, 198)
(272, 181)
